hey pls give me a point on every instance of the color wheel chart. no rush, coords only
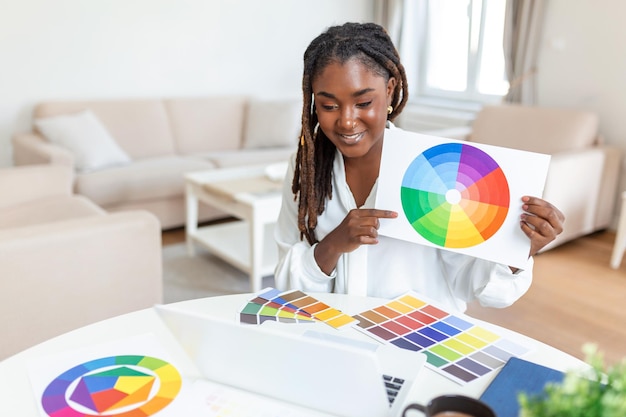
(128, 386)
(454, 346)
(291, 307)
(455, 195)
(458, 196)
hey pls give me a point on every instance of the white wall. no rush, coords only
(582, 63)
(88, 49)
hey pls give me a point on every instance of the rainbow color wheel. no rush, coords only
(455, 195)
(129, 386)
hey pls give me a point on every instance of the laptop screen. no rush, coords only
(338, 378)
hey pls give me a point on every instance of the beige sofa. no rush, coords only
(584, 171)
(65, 262)
(132, 154)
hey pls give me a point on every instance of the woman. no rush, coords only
(354, 85)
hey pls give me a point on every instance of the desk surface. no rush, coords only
(17, 397)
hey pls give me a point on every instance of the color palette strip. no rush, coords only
(291, 307)
(454, 346)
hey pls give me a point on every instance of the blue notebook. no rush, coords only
(516, 376)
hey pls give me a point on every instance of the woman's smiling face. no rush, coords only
(351, 106)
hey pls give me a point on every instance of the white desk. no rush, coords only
(248, 194)
(17, 397)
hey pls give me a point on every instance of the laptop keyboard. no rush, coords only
(393, 385)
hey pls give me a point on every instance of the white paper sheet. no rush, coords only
(77, 382)
(459, 196)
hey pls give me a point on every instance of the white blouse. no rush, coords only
(391, 267)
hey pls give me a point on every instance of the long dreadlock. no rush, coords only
(370, 44)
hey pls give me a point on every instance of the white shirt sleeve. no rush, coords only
(492, 284)
(296, 266)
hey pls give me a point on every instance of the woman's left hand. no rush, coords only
(541, 222)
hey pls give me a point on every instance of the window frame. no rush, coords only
(414, 54)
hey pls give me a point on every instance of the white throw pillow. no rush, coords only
(273, 123)
(83, 135)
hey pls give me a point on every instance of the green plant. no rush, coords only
(598, 392)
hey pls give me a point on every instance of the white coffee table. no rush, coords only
(251, 196)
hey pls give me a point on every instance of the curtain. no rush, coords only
(522, 31)
(388, 14)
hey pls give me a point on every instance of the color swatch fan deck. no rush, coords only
(455, 195)
(455, 346)
(291, 307)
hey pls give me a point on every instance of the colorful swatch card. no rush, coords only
(454, 345)
(458, 196)
(291, 307)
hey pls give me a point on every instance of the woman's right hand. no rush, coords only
(359, 227)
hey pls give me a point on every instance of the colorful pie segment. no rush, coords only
(455, 195)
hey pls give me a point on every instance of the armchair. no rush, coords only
(583, 174)
(64, 261)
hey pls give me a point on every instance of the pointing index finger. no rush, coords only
(383, 214)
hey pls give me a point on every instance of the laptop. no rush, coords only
(315, 369)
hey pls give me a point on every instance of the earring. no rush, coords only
(302, 140)
(389, 109)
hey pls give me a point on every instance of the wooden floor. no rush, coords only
(173, 236)
(575, 298)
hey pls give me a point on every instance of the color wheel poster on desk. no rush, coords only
(459, 196)
(134, 377)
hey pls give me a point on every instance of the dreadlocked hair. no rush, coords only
(370, 44)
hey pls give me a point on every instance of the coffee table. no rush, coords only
(248, 194)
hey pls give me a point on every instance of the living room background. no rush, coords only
(72, 49)
(75, 49)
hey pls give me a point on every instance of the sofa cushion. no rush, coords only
(133, 123)
(47, 210)
(535, 129)
(206, 124)
(84, 136)
(272, 123)
(145, 179)
(243, 157)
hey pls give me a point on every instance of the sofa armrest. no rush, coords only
(582, 185)
(32, 148)
(31, 182)
(63, 275)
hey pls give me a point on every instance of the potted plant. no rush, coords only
(598, 392)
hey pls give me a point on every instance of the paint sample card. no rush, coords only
(455, 346)
(291, 307)
(258, 310)
(459, 196)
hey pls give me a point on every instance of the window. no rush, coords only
(458, 56)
